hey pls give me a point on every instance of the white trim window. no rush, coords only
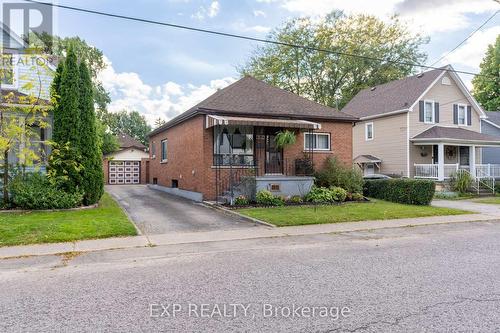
(462, 115)
(429, 112)
(164, 150)
(8, 71)
(368, 131)
(317, 141)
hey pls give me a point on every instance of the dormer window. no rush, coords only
(8, 71)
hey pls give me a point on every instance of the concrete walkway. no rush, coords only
(236, 234)
(485, 209)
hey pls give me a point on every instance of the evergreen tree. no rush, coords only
(67, 119)
(55, 94)
(92, 174)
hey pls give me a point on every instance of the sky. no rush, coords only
(161, 71)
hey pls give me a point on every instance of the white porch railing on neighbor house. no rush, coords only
(431, 170)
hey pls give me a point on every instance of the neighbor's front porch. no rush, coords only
(442, 161)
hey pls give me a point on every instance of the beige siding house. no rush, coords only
(425, 126)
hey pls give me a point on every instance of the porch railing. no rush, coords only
(431, 170)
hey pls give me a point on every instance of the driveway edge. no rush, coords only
(232, 212)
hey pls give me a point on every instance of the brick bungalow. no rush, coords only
(244, 119)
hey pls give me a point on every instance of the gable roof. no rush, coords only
(250, 97)
(393, 96)
(126, 141)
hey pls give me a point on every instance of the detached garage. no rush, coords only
(127, 166)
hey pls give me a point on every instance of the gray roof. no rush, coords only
(453, 133)
(126, 141)
(250, 97)
(367, 158)
(392, 96)
(494, 117)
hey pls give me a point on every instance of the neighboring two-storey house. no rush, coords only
(25, 79)
(426, 126)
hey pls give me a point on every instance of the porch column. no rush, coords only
(441, 161)
(472, 160)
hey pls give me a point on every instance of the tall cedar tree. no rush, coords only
(68, 112)
(92, 174)
(67, 117)
(55, 91)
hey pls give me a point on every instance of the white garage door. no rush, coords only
(124, 172)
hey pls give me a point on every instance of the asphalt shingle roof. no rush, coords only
(254, 98)
(392, 96)
(494, 117)
(126, 141)
(439, 132)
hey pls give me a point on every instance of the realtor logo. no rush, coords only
(25, 21)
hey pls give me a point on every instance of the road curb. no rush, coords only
(234, 213)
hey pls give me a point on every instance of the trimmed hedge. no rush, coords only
(406, 191)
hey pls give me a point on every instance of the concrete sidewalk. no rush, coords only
(227, 235)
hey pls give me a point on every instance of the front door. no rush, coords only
(274, 156)
(369, 169)
(464, 156)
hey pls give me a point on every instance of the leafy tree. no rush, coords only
(92, 174)
(20, 119)
(129, 122)
(334, 78)
(487, 84)
(107, 140)
(159, 122)
(90, 55)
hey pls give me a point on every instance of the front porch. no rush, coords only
(246, 157)
(441, 152)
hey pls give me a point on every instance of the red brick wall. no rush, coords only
(341, 144)
(105, 169)
(185, 156)
(190, 154)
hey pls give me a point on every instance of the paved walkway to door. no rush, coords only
(156, 212)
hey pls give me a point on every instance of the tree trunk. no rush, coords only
(5, 177)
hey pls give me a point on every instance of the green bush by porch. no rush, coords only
(107, 220)
(351, 212)
(407, 191)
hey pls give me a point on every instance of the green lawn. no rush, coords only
(489, 200)
(107, 220)
(349, 212)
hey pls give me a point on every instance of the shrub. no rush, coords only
(357, 197)
(296, 199)
(407, 191)
(326, 195)
(34, 191)
(337, 174)
(64, 169)
(338, 194)
(266, 198)
(241, 200)
(461, 182)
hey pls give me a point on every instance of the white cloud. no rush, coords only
(258, 13)
(472, 52)
(129, 92)
(427, 16)
(210, 11)
(241, 26)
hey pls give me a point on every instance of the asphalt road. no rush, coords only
(156, 212)
(435, 278)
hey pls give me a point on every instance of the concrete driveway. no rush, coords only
(155, 212)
